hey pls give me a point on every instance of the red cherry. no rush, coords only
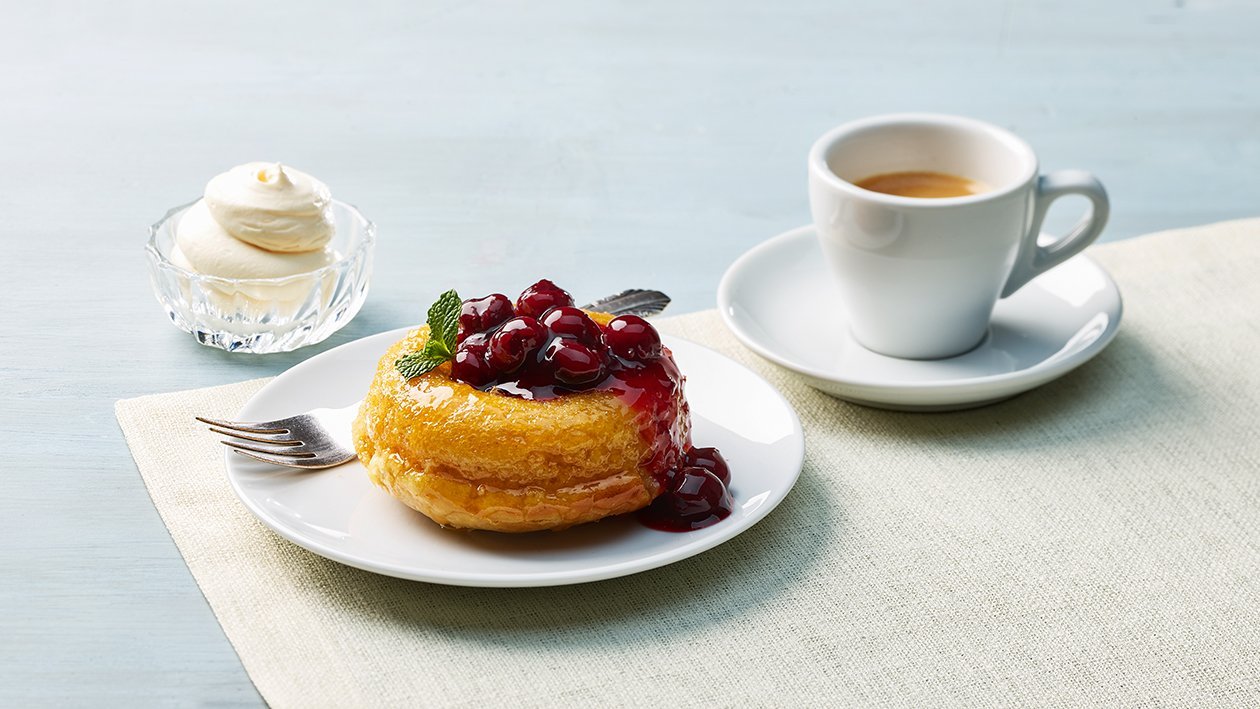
(470, 365)
(631, 337)
(477, 338)
(514, 343)
(481, 314)
(711, 460)
(573, 363)
(701, 491)
(571, 322)
(696, 499)
(541, 297)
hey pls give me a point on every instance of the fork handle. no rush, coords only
(635, 301)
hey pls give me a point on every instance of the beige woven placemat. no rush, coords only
(1096, 541)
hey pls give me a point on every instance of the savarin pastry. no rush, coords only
(533, 415)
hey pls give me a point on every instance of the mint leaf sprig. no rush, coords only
(443, 325)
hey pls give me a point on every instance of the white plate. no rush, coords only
(339, 514)
(780, 301)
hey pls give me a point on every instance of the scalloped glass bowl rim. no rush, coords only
(161, 260)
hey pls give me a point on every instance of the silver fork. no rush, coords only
(321, 438)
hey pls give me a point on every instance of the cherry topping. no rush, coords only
(514, 343)
(711, 460)
(477, 338)
(699, 488)
(541, 297)
(696, 499)
(470, 365)
(633, 338)
(481, 314)
(571, 322)
(573, 363)
(544, 348)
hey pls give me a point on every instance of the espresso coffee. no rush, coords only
(923, 184)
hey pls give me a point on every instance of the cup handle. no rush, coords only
(1034, 260)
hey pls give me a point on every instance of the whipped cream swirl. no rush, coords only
(258, 220)
(272, 207)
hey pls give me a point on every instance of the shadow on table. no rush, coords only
(371, 320)
(752, 569)
(1127, 388)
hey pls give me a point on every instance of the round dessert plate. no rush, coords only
(339, 514)
(780, 301)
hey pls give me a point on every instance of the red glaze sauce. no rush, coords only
(647, 388)
(691, 482)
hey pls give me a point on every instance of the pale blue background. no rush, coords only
(606, 145)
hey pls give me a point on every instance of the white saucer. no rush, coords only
(780, 301)
(339, 514)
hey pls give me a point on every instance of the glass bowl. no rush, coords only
(263, 315)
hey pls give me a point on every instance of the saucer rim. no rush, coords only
(1041, 372)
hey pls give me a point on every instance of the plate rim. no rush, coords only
(535, 580)
(962, 390)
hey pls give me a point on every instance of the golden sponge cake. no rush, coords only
(478, 459)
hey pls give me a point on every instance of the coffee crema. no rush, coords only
(922, 184)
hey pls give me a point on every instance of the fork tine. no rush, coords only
(273, 438)
(262, 427)
(307, 463)
(272, 459)
(282, 452)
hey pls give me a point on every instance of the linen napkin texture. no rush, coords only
(1094, 541)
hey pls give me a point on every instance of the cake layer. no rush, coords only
(486, 460)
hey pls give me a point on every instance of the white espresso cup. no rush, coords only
(920, 276)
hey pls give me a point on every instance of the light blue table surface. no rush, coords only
(603, 144)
